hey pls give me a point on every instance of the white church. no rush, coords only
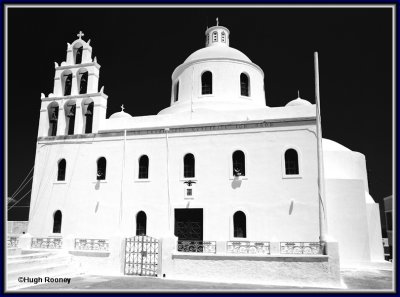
(216, 177)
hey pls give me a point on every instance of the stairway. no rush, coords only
(37, 264)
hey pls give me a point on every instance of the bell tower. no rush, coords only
(76, 106)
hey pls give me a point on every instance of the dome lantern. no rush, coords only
(217, 35)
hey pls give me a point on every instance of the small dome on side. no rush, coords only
(333, 146)
(120, 114)
(299, 101)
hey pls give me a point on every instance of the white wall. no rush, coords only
(93, 209)
(375, 232)
(347, 219)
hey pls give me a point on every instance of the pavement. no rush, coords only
(354, 279)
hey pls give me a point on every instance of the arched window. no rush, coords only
(83, 81)
(291, 162)
(61, 170)
(215, 36)
(67, 79)
(238, 162)
(176, 91)
(223, 39)
(188, 166)
(88, 116)
(53, 118)
(239, 224)
(244, 84)
(101, 168)
(70, 110)
(57, 218)
(206, 83)
(78, 50)
(144, 167)
(141, 222)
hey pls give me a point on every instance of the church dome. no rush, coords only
(120, 114)
(217, 77)
(298, 102)
(217, 52)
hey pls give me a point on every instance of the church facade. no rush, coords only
(217, 165)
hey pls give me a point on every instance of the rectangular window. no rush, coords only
(188, 192)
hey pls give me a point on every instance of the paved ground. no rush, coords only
(354, 279)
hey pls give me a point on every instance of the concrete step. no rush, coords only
(21, 263)
(28, 257)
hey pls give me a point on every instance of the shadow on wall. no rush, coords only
(291, 207)
(236, 183)
(97, 186)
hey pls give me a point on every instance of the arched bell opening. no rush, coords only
(70, 112)
(52, 110)
(87, 110)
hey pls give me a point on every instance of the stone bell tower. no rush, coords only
(76, 106)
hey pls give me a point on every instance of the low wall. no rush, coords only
(267, 270)
(17, 227)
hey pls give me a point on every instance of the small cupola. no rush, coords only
(217, 35)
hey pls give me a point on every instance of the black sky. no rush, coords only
(138, 49)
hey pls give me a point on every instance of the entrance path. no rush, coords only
(354, 279)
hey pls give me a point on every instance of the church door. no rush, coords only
(189, 229)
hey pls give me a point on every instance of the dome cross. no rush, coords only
(217, 22)
(122, 108)
(80, 34)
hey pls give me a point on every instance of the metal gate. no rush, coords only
(141, 255)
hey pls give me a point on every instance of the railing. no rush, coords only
(12, 241)
(310, 248)
(194, 246)
(91, 244)
(46, 243)
(248, 247)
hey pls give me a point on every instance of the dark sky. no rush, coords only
(138, 49)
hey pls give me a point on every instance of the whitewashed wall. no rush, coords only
(277, 208)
